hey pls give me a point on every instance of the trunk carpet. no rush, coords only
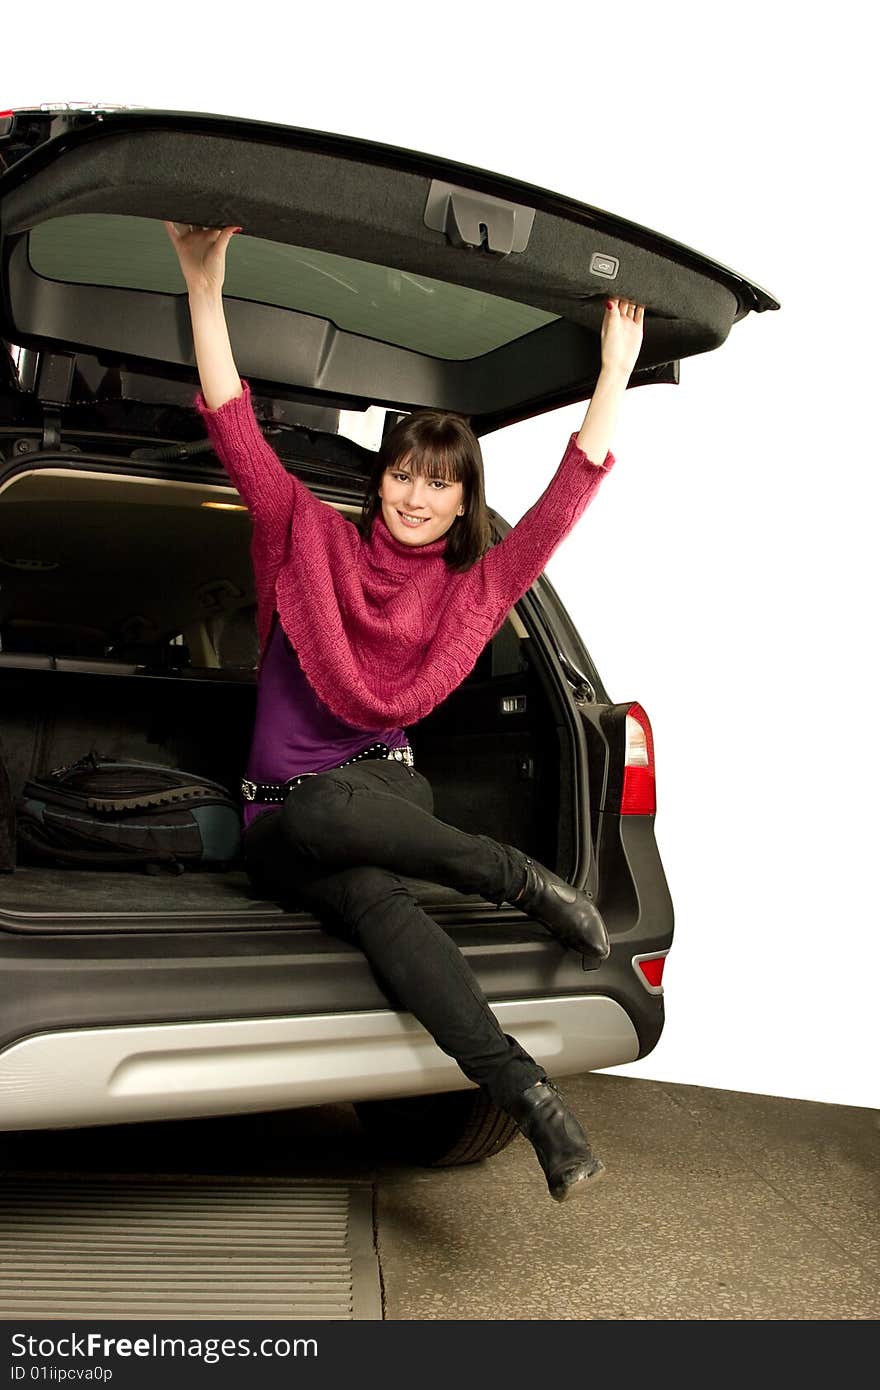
(178, 1247)
(37, 889)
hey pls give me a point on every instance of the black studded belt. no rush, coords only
(277, 791)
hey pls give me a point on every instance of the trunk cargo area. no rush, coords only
(496, 752)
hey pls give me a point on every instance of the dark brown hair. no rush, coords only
(437, 444)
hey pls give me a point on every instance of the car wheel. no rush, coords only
(438, 1131)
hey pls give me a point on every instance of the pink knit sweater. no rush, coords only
(383, 630)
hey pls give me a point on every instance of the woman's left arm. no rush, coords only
(506, 571)
(621, 343)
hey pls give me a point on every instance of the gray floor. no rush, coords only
(716, 1205)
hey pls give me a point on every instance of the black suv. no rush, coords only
(368, 281)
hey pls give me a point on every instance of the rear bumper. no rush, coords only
(78, 981)
(96, 1076)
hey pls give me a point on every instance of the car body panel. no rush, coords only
(60, 975)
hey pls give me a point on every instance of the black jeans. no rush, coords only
(337, 845)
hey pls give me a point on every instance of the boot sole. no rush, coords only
(579, 1185)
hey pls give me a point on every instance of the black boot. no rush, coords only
(566, 912)
(559, 1141)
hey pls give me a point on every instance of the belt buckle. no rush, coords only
(248, 790)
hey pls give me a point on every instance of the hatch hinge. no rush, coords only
(468, 218)
(55, 377)
(582, 687)
(53, 389)
(51, 429)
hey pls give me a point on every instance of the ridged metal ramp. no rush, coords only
(192, 1247)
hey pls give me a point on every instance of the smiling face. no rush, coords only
(427, 483)
(418, 508)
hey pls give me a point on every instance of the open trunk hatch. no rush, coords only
(365, 275)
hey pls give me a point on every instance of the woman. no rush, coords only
(363, 630)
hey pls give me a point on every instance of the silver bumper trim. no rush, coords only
(175, 1070)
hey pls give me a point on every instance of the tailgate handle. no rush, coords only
(468, 218)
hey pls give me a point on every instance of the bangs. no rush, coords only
(448, 464)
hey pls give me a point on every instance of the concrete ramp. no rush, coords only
(186, 1247)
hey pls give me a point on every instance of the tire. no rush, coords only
(440, 1131)
(8, 1138)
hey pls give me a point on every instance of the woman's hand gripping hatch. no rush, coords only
(621, 336)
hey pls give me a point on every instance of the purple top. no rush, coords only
(293, 731)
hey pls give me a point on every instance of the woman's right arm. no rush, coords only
(201, 252)
(264, 484)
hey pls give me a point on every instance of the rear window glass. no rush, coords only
(391, 306)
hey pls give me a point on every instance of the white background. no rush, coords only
(723, 577)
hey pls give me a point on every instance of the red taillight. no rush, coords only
(639, 797)
(653, 970)
(650, 971)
